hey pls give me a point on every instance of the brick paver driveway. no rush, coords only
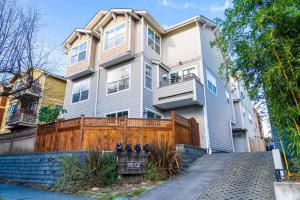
(241, 176)
(249, 176)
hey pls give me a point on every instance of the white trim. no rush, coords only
(154, 40)
(157, 75)
(129, 34)
(88, 45)
(87, 80)
(96, 98)
(142, 69)
(116, 112)
(242, 116)
(113, 27)
(155, 112)
(145, 70)
(205, 102)
(195, 91)
(129, 87)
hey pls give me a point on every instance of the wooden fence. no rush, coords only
(18, 141)
(104, 133)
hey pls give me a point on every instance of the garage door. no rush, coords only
(239, 142)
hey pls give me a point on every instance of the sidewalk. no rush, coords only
(14, 192)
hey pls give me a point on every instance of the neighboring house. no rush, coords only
(3, 107)
(244, 126)
(25, 105)
(124, 63)
(258, 124)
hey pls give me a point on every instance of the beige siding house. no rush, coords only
(123, 62)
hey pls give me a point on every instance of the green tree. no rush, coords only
(260, 42)
(50, 114)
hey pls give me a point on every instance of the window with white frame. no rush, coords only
(227, 97)
(80, 91)
(114, 36)
(118, 114)
(78, 53)
(153, 40)
(211, 82)
(250, 118)
(152, 115)
(118, 79)
(148, 76)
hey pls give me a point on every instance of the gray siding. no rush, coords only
(123, 100)
(80, 108)
(238, 115)
(199, 92)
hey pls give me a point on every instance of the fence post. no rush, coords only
(191, 135)
(35, 138)
(56, 136)
(12, 142)
(81, 130)
(125, 130)
(173, 127)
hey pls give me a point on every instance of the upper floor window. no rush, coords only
(188, 71)
(148, 76)
(118, 114)
(153, 40)
(114, 36)
(78, 53)
(80, 91)
(118, 79)
(211, 82)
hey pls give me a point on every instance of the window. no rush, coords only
(152, 115)
(153, 40)
(211, 82)
(227, 97)
(118, 114)
(115, 36)
(80, 91)
(118, 79)
(78, 53)
(148, 76)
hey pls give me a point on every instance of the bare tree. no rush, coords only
(19, 50)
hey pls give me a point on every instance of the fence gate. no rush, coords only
(195, 135)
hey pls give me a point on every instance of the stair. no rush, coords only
(34, 168)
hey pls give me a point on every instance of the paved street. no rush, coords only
(220, 177)
(13, 192)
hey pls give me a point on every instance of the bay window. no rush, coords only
(153, 40)
(118, 79)
(78, 53)
(80, 91)
(114, 36)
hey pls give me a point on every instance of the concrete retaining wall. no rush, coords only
(287, 190)
(34, 168)
(189, 154)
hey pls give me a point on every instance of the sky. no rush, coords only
(60, 17)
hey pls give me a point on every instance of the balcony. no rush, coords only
(34, 91)
(178, 92)
(22, 119)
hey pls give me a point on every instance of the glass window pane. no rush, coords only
(120, 39)
(124, 84)
(151, 43)
(120, 29)
(214, 89)
(75, 50)
(112, 87)
(75, 97)
(82, 47)
(150, 115)
(148, 82)
(157, 39)
(158, 117)
(84, 95)
(157, 49)
(74, 59)
(82, 56)
(150, 33)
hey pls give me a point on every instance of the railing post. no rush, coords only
(173, 127)
(125, 130)
(81, 130)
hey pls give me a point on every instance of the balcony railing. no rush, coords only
(178, 79)
(34, 90)
(22, 118)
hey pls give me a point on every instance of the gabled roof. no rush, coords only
(102, 17)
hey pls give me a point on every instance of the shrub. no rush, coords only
(103, 167)
(50, 114)
(166, 159)
(74, 175)
(152, 174)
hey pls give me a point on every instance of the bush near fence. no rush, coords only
(85, 133)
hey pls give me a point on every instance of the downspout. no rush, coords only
(204, 85)
(96, 98)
